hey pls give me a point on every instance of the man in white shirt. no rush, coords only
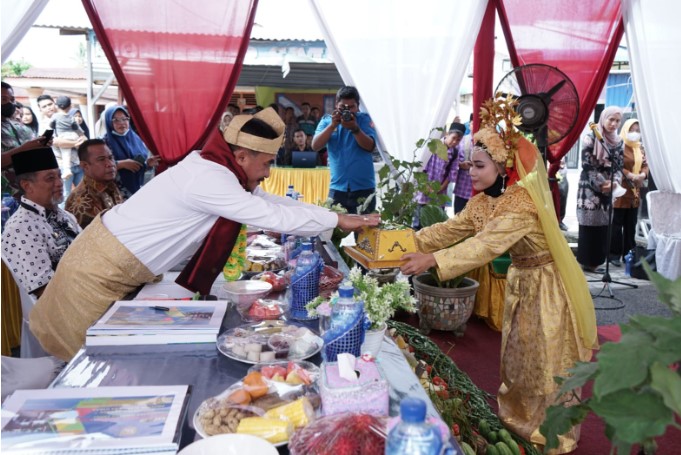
(37, 235)
(194, 208)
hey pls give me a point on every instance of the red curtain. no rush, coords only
(177, 64)
(483, 64)
(578, 38)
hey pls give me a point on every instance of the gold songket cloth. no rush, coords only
(71, 304)
(541, 337)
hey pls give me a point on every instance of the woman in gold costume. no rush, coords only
(549, 321)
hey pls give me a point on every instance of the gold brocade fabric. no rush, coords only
(489, 300)
(540, 339)
(95, 271)
(11, 312)
(313, 184)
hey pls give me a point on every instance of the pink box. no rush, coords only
(369, 394)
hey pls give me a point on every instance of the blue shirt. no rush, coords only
(352, 167)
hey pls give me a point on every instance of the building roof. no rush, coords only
(275, 20)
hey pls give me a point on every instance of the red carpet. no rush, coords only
(477, 354)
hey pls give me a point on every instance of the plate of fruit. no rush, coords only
(278, 280)
(269, 341)
(263, 310)
(259, 407)
(293, 372)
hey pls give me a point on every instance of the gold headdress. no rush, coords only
(234, 135)
(498, 131)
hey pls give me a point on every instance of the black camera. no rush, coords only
(345, 113)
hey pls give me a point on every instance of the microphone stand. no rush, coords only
(607, 279)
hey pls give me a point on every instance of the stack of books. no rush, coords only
(102, 420)
(140, 322)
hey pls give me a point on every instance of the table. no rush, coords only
(312, 183)
(203, 367)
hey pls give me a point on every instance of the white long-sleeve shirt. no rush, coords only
(167, 220)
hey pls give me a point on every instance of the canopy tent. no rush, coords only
(384, 52)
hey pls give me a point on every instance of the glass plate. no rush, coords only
(288, 342)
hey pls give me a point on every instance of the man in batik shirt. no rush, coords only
(98, 191)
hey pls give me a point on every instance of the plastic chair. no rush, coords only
(664, 209)
(30, 346)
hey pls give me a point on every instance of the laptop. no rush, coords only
(304, 159)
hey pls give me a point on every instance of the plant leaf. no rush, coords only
(669, 291)
(625, 364)
(634, 416)
(580, 374)
(668, 384)
(559, 420)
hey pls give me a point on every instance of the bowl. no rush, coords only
(263, 310)
(244, 293)
(230, 444)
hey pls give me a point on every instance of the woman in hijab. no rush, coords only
(132, 156)
(594, 194)
(78, 117)
(635, 172)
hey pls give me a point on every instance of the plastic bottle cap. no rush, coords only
(346, 290)
(307, 246)
(412, 410)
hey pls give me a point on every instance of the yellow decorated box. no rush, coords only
(380, 248)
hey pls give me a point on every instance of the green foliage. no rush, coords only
(400, 181)
(13, 69)
(636, 382)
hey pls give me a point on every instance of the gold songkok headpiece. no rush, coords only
(498, 131)
(234, 135)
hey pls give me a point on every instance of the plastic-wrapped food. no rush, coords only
(341, 434)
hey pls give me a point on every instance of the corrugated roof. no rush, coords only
(275, 20)
(55, 73)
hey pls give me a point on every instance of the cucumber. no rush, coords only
(467, 449)
(515, 449)
(483, 426)
(492, 450)
(504, 435)
(492, 437)
(503, 448)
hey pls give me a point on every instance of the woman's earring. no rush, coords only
(503, 184)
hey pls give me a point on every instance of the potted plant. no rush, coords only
(443, 305)
(380, 304)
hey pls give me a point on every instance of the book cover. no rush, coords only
(115, 419)
(159, 316)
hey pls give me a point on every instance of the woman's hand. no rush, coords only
(129, 165)
(606, 188)
(417, 263)
(153, 160)
(357, 222)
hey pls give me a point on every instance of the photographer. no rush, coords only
(350, 138)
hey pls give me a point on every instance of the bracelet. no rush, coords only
(355, 131)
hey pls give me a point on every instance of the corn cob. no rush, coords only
(299, 412)
(274, 430)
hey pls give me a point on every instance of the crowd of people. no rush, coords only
(115, 232)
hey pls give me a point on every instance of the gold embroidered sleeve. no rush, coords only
(497, 237)
(442, 235)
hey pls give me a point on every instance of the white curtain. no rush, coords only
(17, 17)
(406, 59)
(654, 41)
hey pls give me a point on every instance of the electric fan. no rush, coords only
(547, 102)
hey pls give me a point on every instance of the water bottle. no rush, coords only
(413, 436)
(628, 263)
(345, 310)
(306, 260)
(289, 191)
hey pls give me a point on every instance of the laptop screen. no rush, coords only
(304, 159)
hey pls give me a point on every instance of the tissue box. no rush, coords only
(369, 394)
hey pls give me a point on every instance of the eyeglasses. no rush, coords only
(121, 120)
